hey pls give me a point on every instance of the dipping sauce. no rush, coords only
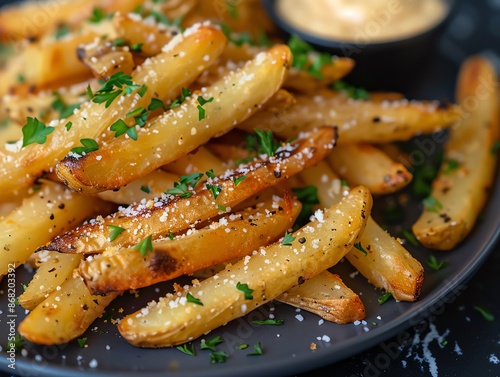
(362, 21)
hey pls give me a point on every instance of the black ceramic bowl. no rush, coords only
(391, 65)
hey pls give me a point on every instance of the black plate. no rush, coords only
(286, 348)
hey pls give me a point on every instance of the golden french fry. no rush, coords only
(200, 160)
(357, 121)
(163, 215)
(327, 296)
(54, 269)
(459, 192)
(366, 165)
(164, 76)
(144, 188)
(268, 273)
(65, 314)
(180, 130)
(228, 238)
(50, 211)
(387, 264)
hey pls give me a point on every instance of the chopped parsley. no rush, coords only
(146, 189)
(237, 180)
(218, 357)
(170, 235)
(210, 173)
(156, 104)
(242, 346)
(232, 8)
(383, 299)
(436, 265)
(35, 131)
(263, 142)
(308, 196)
(221, 208)
(201, 111)
(20, 78)
(89, 145)
(288, 239)
(351, 91)
(144, 246)
(247, 292)
(269, 321)
(185, 92)
(81, 342)
(118, 84)
(136, 47)
(431, 204)
(114, 232)
(120, 128)
(187, 349)
(495, 147)
(450, 166)
(142, 90)
(61, 31)
(16, 344)
(302, 52)
(64, 109)
(182, 188)
(98, 14)
(423, 175)
(192, 299)
(360, 248)
(410, 237)
(214, 189)
(485, 313)
(210, 344)
(119, 42)
(68, 126)
(257, 350)
(240, 39)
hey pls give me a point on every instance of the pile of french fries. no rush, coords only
(146, 140)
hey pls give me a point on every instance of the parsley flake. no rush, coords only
(351, 91)
(237, 180)
(68, 126)
(432, 205)
(214, 189)
(144, 246)
(89, 145)
(257, 350)
(136, 47)
(308, 196)
(247, 292)
(242, 346)
(156, 104)
(81, 342)
(485, 313)
(268, 144)
(269, 321)
(287, 240)
(187, 349)
(118, 84)
(146, 189)
(210, 344)
(194, 300)
(61, 31)
(218, 357)
(186, 182)
(451, 166)
(410, 237)
(185, 92)
(114, 232)
(201, 111)
(360, 248)
(210, 173)
(383, 299)
(35, 132)
(98, 14)
(64, 109)
(436, 265)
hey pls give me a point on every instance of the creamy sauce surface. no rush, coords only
(362, 21)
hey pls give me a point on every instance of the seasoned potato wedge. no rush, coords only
(174, 320)
(53, 271)
(327, 296)
(459, 194)
(366, 165)
(181, 129)
(232, 236)
(164, 76)
(47, 212)
(357, 121)
(387, 264)
(159, 217)
(65, 314)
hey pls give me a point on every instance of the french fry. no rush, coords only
(65, 314)
(50, 211)
(228, 238)
(366, 165)
(163, 215)
(459, 194)
(174, 320)
(357, 121)
(200, 160)
(145, 188)
(327, 296)
(55, 269)
(387, 264)
(164, 75)
(180, 130)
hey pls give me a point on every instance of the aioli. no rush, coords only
(362, 21)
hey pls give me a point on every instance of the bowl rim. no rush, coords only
(269, 7)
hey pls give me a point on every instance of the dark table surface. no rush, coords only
(456, 340)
